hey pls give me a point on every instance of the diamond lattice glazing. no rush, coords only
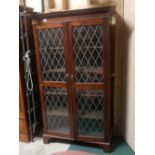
(88, 53)
(90, 112)
(52, 54)
(56, 108)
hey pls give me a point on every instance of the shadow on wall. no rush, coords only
(121, 47)
(127, 32)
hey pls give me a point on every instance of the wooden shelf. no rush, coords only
(57, 70)
(89, 94)
(92, 94)
(59, 51)
(98, 70)
(87, 47)
(93, 133)
(61, 129)
(63, 113)
(56, 48)
(56, 93)
(92, 115)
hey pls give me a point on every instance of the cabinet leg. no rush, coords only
(45, 140)
(106, 148)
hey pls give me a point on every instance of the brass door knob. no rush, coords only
(72, 77)
(66, 76)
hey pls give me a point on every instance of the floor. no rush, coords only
(119, 147)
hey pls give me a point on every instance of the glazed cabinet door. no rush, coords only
(90, 78)
(50, 42)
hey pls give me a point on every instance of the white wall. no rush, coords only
(78, 4)
(128, 79)
(36, 4)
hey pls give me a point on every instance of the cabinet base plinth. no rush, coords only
(105, 145)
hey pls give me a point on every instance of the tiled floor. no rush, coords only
(119, 147)
(38, 148)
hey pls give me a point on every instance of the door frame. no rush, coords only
(42, 83)
(105, 86)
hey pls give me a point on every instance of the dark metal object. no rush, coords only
(27, 71)
(27, 92)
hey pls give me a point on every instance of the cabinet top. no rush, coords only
(76, 12)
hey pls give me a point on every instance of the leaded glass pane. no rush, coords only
(56, 108)
(52, 54)
(88, 53)
(90, 112)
